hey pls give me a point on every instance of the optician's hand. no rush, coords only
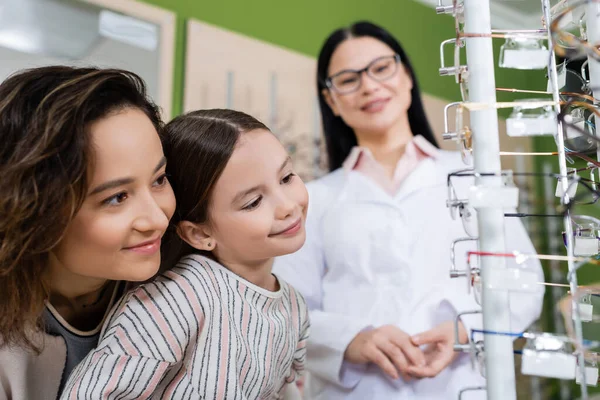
(438, 348)
(388, 347)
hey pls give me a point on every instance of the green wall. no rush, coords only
(303, 26)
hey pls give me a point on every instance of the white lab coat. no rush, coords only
(372, 259)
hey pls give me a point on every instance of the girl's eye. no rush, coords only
(116, 199)
(161, 180)
(288, 178)
(254, 204)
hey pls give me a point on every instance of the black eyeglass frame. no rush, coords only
(328, 82)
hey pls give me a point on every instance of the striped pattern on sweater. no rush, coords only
(198, 331)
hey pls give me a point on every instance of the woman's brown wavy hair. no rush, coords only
(45, 157)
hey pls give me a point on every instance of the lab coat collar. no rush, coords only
(429, 173)
(418, 142)
(359, 188)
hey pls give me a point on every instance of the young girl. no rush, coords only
(218, 325)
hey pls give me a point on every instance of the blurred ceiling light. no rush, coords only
(53, 28)
(129, 30)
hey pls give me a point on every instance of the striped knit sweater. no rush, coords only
(198, 331)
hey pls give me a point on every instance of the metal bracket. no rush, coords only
(469, 389)
(456, 70)
(449, 9)
(468, 347)
(455, 272)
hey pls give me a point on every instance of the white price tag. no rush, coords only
(585, 246)
(572, 189)
(591, 376)
(511, 279)
(494, 197)
(525, 58)
(572, 133)
(586, 312)
(548, 364)
(531, 126)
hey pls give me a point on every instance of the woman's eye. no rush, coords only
(116, 199)
(161, 180)
(348, 81)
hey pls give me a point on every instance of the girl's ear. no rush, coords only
(196, 235)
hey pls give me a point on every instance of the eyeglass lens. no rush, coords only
(380, 69)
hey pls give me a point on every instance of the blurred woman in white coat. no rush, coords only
(375, 266)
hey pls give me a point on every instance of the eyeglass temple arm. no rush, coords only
(587, 218)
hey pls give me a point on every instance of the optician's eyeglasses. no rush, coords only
(349, 80)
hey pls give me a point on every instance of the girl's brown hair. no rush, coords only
(45, 157)
(198, 146)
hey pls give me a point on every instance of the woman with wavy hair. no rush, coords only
(85, 202)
